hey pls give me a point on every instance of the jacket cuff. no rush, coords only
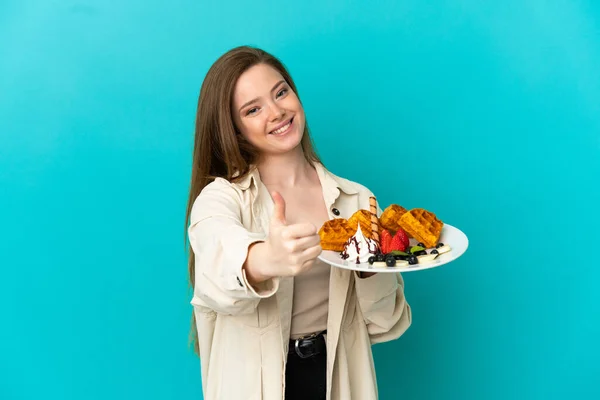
(262, 290)
(376, 287)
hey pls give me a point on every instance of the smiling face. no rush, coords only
(266, 111)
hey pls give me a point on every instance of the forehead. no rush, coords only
(257, 81)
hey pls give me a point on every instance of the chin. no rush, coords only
(282, 147)
(286, 148)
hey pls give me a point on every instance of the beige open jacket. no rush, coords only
(243, 333)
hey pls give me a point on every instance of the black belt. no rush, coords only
(308, 346)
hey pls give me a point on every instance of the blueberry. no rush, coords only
(371, 260)
(379, 257)
(434, 251)
(437, 246)
(420, 244)
(390, 261)
(420, 253)
(413, 260)
(400, 257)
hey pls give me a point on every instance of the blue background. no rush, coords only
(488, 114)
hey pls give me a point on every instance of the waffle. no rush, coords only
(423, 225)
(364, 217)
(390, 217)
(335, 233)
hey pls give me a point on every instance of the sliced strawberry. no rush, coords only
(397, 244)
(403, 237)
(385, 239)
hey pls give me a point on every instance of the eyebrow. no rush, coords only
(253, 100)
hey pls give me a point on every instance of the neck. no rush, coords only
(285, 170)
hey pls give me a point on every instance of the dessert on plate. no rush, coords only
(336, 232)
(423, 225)
(385, 241)
(390, 216)
(359, 247)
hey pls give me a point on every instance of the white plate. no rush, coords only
(450, 235)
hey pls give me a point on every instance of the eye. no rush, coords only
(282, 92)
(252, 111)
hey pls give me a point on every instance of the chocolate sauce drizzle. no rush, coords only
(371, 246)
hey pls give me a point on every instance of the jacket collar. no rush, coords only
(331, 183)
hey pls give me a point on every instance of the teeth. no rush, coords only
(282, 129)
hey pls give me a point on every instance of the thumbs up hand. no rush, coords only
(291, 249)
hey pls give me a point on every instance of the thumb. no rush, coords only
(279, 209)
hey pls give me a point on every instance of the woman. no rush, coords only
(272, 321)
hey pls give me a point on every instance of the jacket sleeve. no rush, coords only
(381, 299)
(220, 245)
(386, 312)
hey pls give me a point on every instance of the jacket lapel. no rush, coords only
(339, 278)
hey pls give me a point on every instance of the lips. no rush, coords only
(284, 126)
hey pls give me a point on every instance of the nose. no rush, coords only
(276, 112)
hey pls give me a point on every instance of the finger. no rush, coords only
(301, 244)
(296, 259)
(309, 254)
(299, 231)
(279, 208)
(304, 267)
(307, 266)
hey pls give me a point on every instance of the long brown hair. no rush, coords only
(218, 150)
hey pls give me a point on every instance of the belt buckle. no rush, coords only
(297, 344)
